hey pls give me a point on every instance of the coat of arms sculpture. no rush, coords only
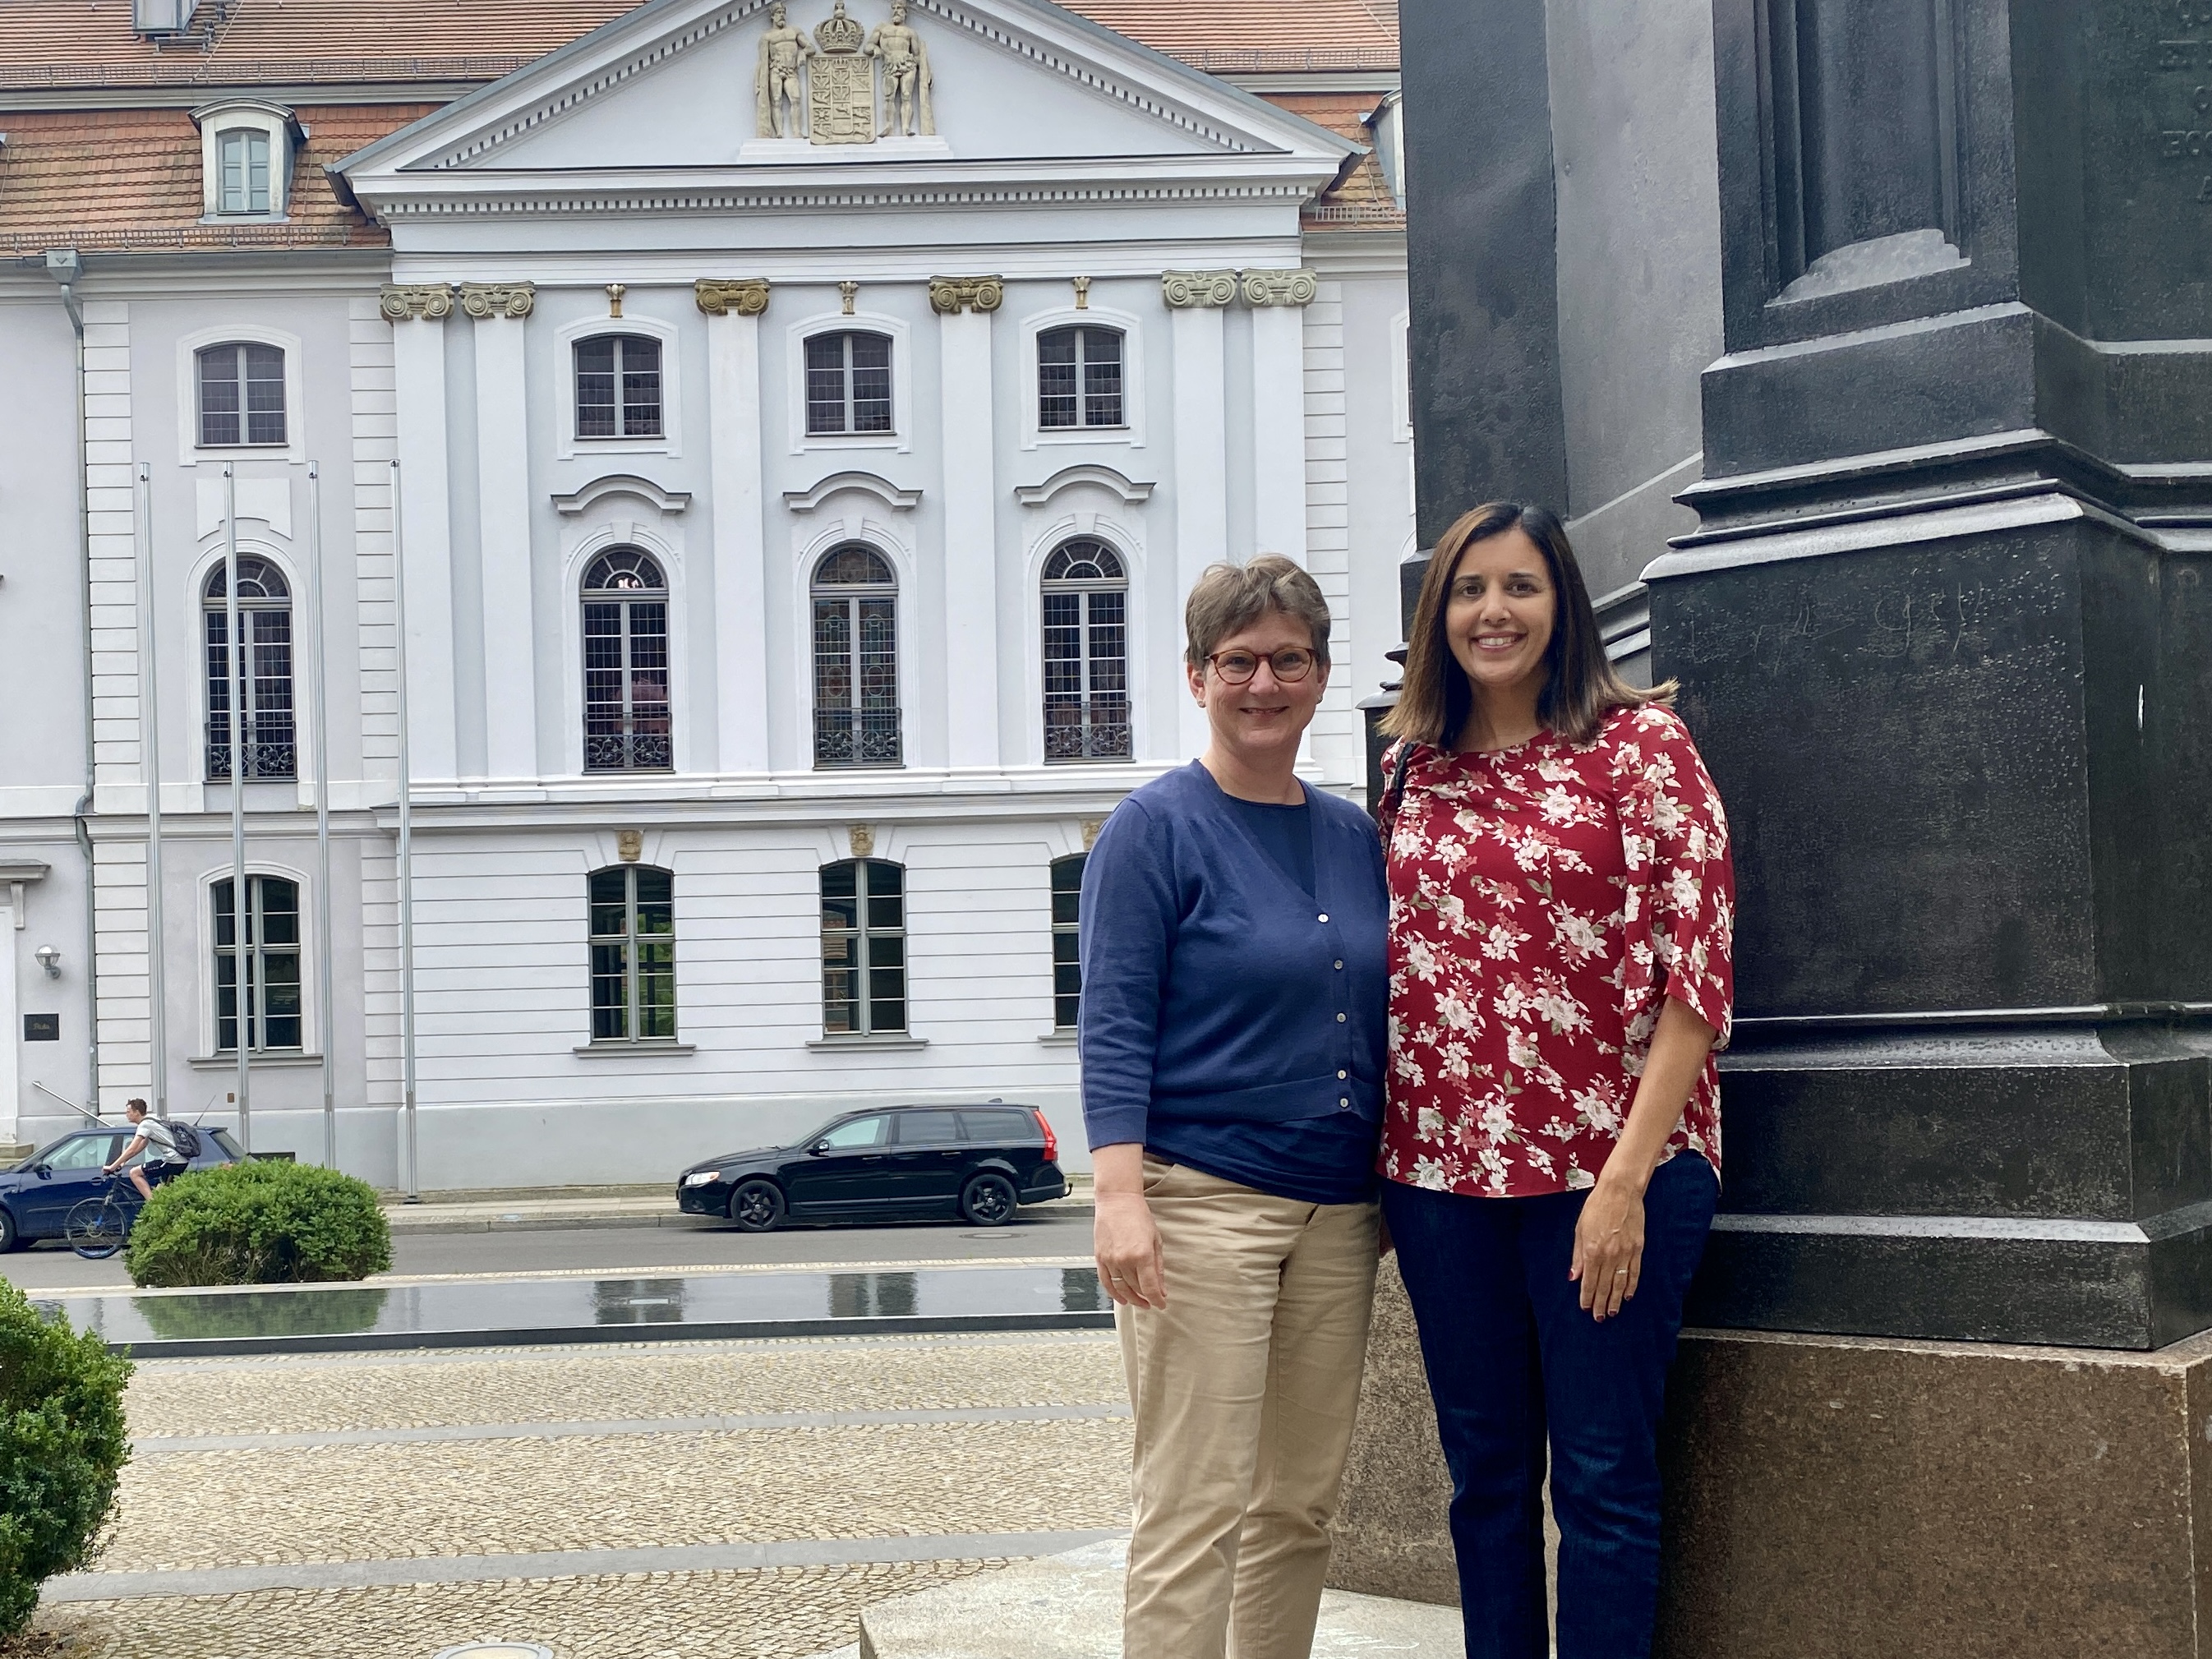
(824, 89)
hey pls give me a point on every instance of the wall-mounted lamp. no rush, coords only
(50, 959)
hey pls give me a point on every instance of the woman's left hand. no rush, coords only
(1608, 1261)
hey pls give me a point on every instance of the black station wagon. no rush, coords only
(907, 1162)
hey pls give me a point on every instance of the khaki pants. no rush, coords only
(1244, 1387)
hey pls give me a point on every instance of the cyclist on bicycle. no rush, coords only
(153, 1145)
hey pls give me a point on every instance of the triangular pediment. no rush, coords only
(703, 88)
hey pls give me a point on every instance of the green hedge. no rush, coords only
(259, 1224)
(62, 1445)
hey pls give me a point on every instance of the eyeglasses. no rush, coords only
(1237, 667)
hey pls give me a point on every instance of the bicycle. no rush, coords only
(97, 1227)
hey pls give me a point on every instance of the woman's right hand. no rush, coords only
(1125, 1239)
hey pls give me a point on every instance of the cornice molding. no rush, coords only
(1278, 287)
(623, 483)
(483, 301)
(805, 500)
(1105, 478)
(730, 296)
(432, 302)
(951, 295)
(769, 198)
(1184, 289)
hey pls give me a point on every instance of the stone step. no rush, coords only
(1069, 1607)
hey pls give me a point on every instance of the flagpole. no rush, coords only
(319, 725)
(406, 870)
(150, 737)
(241, 947)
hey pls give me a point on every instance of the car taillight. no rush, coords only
(1051, 1140)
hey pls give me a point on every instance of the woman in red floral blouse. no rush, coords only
(1560, 915)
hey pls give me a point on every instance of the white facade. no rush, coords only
(1078, 172)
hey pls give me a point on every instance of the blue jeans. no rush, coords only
(1514, 1362)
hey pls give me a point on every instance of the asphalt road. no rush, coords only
(1054, 1231)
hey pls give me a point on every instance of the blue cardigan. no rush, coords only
(1214, 990)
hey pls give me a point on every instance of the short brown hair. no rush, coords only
(1227, 597)
(1581, 685)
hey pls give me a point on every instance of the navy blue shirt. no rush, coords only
(1232, 1020)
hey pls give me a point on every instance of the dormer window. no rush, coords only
(246, 150)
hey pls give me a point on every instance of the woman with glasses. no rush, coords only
(1232, 1035)
(1561, 912)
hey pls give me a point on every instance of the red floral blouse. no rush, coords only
(1545, 900)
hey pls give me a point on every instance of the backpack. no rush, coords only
(186, 1136)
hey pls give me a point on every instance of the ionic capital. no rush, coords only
(950, 295)
(1183, 289)
(485, 300)
(730, 296)
(1280, 288)
(432, 302)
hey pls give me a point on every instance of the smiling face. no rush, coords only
(1264, 718)
(1500, 615)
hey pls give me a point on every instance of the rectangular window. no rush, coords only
(242, 155)
(633, 946)
(1079, 378)
(849, 383)
(1066, 963)
(863, 948)
(241, 395)
(618, 387)
(271, 958)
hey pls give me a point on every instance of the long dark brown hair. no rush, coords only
(1581, 686)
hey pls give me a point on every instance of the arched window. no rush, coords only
(271, 957)
(856, 713)
(1086, 653)
(241, 395)
(625, 664)
(618, 387)
(1080, 377)
(263, 678)
(1066, 962)
(849, 383)
(863, 948)
(633, 954)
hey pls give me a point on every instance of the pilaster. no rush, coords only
(417, 316)
(503, 510)
(1278, 300)
(733, 310)
(965, 306)
(1201, 451)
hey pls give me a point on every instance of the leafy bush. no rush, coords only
(62, 1445)
(259, 1224)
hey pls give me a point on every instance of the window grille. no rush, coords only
(241, 396)
(273, 1008)
(617, 387)
(633, 954)
(1086, 653)
(863, 948)
(1079, 378)
(1066, 961)
(242, 170)
(626, 715)
(263, 677)
(856, 712)
(849, 383)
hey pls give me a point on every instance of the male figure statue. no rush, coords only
(906, 75)
(783, 49)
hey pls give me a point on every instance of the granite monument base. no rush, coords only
(1857, 1497)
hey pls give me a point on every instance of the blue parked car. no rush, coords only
(36, 1195)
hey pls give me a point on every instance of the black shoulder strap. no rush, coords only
(1397, 791)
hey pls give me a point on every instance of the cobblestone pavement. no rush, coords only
(656, 1501)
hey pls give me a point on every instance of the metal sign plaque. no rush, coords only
(42, 1028)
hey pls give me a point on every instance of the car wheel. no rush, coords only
(758, 1206)
(988, 1201)
(8, 1237)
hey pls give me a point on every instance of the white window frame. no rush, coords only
(614, 521)
(311, 1012)
(304, 735)
(900, 438)
(1043, 541)
(856, 526)
(292, 607)
(1402, 377)
(233, 115)
(568, 445)
(1128, 435)
(1128, 591)
(293, 450)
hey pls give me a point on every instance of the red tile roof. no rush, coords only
(1229, 37)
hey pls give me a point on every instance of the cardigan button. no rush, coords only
(1339, 964)
(1340, 1020)
(1323, 917)
(1347, 1101)
(1341, 1076)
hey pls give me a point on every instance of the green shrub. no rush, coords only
(62, 1445)
(259, 1224)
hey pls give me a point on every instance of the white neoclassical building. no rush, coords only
(785, 434)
